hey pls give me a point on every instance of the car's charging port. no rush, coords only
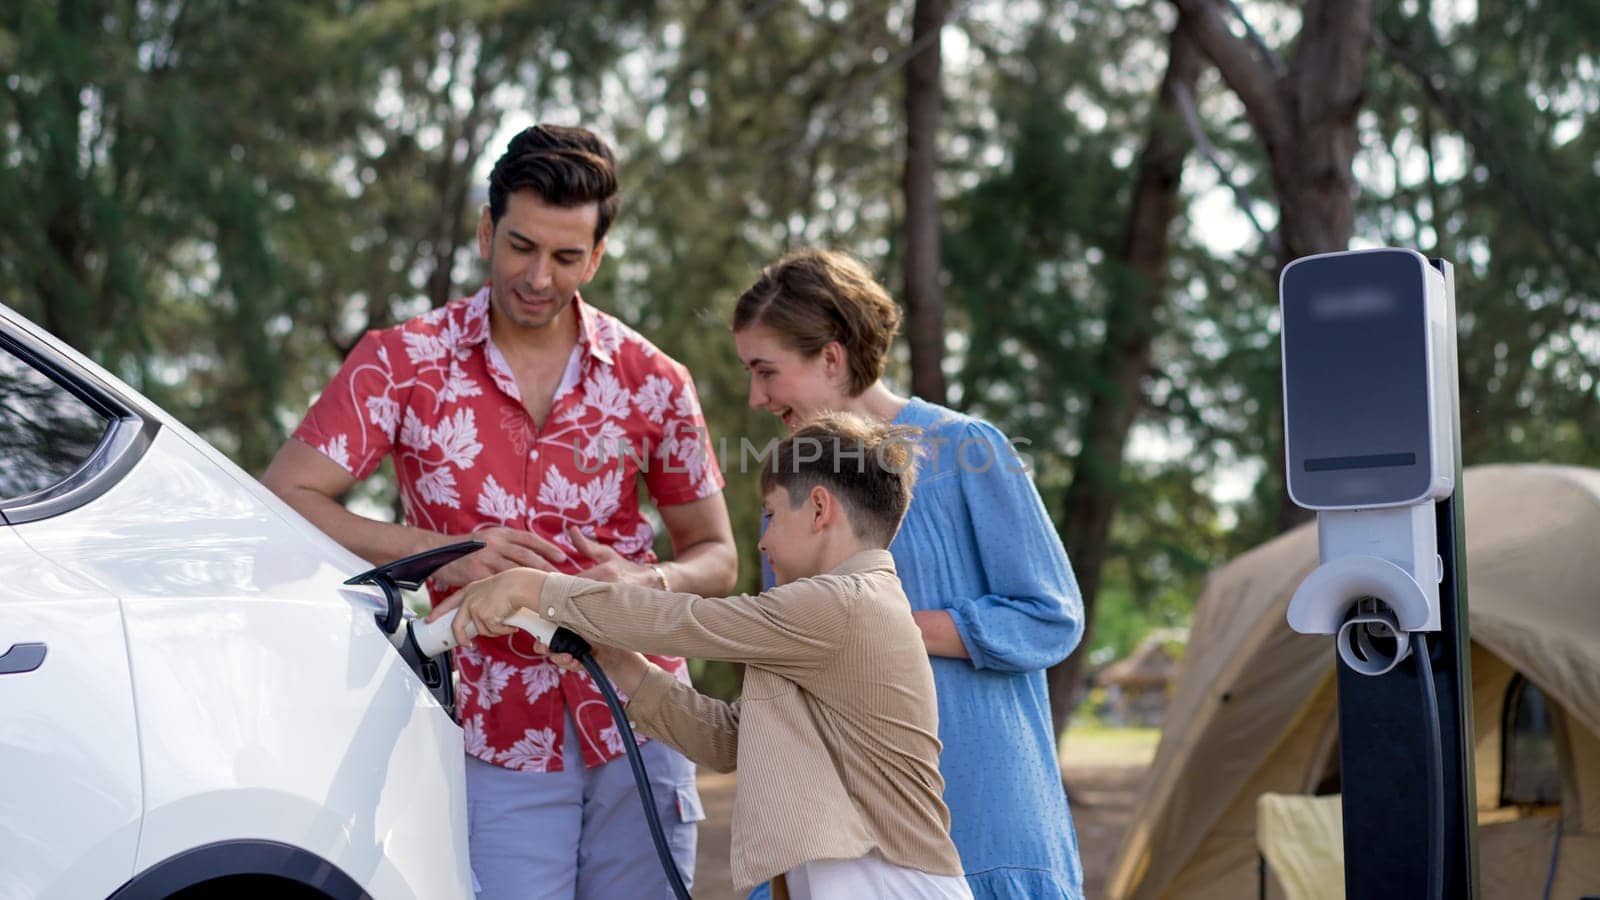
(409, 573)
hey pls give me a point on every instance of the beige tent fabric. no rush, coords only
(1227, 711)
(1303, 840)
(1491, 675)
(1223, 865)
(1580, 798)
(1253, 708)
(1533, 550)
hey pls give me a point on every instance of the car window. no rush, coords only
(46, 431)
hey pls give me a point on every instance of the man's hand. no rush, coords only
(609, 565)
(625, 668)
(485, 605)
(506, 548)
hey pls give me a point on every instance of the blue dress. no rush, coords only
(978, 543)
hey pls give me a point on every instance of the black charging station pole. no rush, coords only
(1382, 770)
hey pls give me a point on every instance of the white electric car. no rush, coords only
(191, 699)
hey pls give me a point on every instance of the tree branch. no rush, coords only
(1330, 64)
(1248, 77)
(1191, 118)
(1274, 61)
(1503, 167)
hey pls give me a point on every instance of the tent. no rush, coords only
(1254, 709)
(1137, 686)
(1149, 667)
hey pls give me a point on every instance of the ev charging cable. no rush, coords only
(436, 637)
(1435, 765)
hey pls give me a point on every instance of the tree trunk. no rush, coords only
(924, 305)
(1305, 119)
(60, 283)
(1124, 358)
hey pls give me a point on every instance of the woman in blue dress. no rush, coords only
(988, 579)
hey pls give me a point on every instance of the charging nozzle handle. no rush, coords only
(434, 638)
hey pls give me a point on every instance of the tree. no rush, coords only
(923, 301)
(1507, 191)
(152, 179)
(1060, 258)
(216, 199)
(1472, 144)
(1116, 395)
(1304, 116)
(444, 82)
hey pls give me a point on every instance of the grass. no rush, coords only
(1091, 744)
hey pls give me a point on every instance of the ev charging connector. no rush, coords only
(425, 647)
(436, 638)
(1372, 444)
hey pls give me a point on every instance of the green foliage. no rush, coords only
(1508, 192)
(1034, 257)
(149, 180)
(215, 198)
(1167, 535)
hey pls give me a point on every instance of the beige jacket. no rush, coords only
(836, 734)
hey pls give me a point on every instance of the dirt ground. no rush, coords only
(1102, 798)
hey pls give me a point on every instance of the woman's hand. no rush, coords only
(939, 634)
(486, 604)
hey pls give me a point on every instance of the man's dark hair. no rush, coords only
(867, 466)
(564, 166)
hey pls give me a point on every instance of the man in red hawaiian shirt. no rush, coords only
(526, 418)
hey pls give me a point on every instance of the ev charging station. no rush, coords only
(1373, 446)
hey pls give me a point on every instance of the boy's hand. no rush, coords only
(625, 668)
(486, 604)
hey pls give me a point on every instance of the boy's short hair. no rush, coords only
(869, 467)
(565, 166)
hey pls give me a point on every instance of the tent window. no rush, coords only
(1530, 773)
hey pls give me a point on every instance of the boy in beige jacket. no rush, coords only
(836, 734)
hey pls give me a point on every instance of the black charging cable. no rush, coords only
(566, 641)
(1435, 766)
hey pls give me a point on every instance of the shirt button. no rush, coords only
(551, 611)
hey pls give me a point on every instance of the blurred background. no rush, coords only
(1083, 206)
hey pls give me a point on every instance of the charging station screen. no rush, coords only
(1356, 379)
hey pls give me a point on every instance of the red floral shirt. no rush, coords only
(436, 394)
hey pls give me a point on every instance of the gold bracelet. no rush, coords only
(661, 574)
